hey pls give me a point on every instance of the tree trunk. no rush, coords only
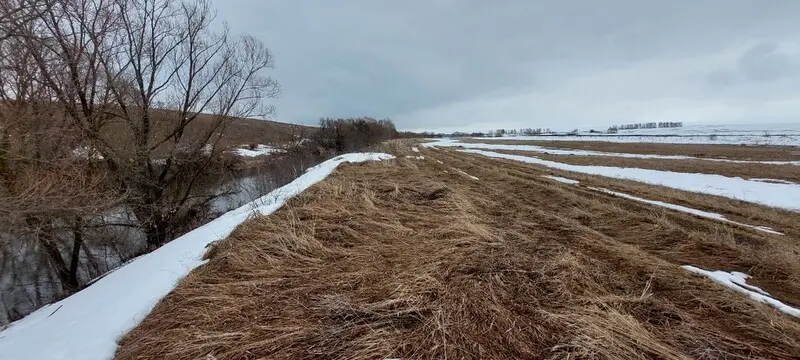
(156, 232)
(44, 236)
(77, 242)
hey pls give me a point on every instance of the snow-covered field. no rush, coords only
(87, 325)
(742, 134)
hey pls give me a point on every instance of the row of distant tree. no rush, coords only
(650, 125)
(491, 133)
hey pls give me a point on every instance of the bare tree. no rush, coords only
(43, 188)
(151, 86)
(16, 13)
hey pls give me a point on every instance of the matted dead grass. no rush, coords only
(750, 213)
(409, 259)
(740, 152)
(747, 171)
(730, 247)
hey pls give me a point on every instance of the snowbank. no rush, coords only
(87, 325)
(782, 196)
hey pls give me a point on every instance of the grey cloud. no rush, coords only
(723, 78)
(764, 62)
(762, 70)
(448, 63)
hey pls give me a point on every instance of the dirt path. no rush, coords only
(463, 257)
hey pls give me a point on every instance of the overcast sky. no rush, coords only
(478, 64)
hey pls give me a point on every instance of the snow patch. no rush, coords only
(700, 213)
(782, 196)
(207, 149)
(561, 179)
(738, 282)
(86, 153)
(87, 325)
(260, 150)
(414, 149)
(465, 174)
(415, 157)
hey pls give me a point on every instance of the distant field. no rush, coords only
(461, 253)
(751, 134)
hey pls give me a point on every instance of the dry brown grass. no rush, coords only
(399, 259)
(741, 152)
(239, 132)
(737, 210)
(747, 171)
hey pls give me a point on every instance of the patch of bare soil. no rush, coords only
(747, 171)
(411, 259)
(738, 152)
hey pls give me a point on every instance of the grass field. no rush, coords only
(446, 254)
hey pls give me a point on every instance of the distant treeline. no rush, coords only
(650, 125)
(491, 133)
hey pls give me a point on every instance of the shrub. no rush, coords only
(353, 134)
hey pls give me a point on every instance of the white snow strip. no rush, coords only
(415, 157)
(775, 181)
(414, 149)
(782, 196)
(87, 325)
(738, 282)
(700, 213)
(258, 151)
(439, 161)
(550, 151)
(465, 174)
(563, 180)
